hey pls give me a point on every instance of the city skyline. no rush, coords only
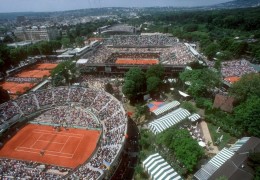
(63, 5)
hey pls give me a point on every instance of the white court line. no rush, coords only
(50, 141)
(69, 157)
(36, 140)
(51, 132)
(65, 144)
(77, 146)
(29, 150)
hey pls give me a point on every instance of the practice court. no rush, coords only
(67, 148)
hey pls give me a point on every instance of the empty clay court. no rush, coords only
(66, 148)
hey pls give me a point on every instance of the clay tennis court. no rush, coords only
(14, 87)
(137, 61)
(45, 66)
(34, 73)
(66, 148)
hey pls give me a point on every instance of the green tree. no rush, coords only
(65, 42)
(247, 114)
(109, 88)
(211, 50)
(33, 50)
(65, 73)
(185, 149)
(55, 45)
(238, 48)
(4, 95)
(191, 27)
(155, 70)
(202, 81)
(247, 86)
(189, 106)
(45, 48)
(153, 84)
(17, 55)
(135, 83)
(79, 41)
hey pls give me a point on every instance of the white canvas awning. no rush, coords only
(183, 94)
(166, 107)
(82, 61)
(235, 147)
(194, 117)
(167, 121)
(158, 168)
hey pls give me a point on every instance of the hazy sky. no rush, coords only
(60, 5)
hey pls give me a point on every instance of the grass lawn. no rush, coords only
(227, 138)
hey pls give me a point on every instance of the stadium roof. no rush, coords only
(158, 168)
(165, 122)
(239, 165)
(82, 61)
(214, 164)
(235, 147)
(166, 107)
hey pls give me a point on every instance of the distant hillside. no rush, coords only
(238, 4)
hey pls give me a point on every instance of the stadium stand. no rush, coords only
(80, 107)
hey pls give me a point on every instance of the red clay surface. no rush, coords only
(232, 79)
(45, 66)
(14, 87)
(66, 148)
(34, 73)
(137, 61)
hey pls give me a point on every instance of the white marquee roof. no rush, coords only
(165, 122)
(166, 107)
(216, 162)
(194, 117)
(158, 168)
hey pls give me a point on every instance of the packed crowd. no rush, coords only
(15, 169)
(106, 108)
(23, 79)
(95, 82)
(7, 111)
(85, 172)
(236, 68)
(69, 116)
(141, 40)
(177, 54)
(120, 28)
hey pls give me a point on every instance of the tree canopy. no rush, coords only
(65, 73)
(4, 95)
(155, 71)
(202, 81)
(153, 84)
(186, 149)
(135, 83)
(247, 115)
(248, 85)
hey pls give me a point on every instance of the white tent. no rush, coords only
(158, 168)
(194, 117)
(183, 94)
(81, 62)
(167, 121)
(166, 107)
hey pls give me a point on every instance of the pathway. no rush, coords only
(207, 136)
